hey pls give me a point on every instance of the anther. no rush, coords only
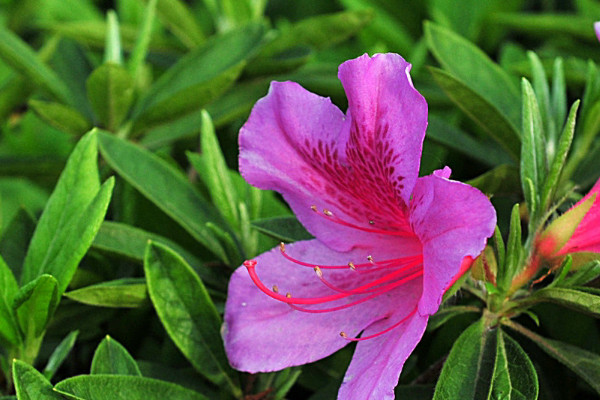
(288, 295)
(318, 271)
(343, 334)
(352, 266)
(370, 259)
(282, 247)
(275, 289)
(327, 212)
(314, 208)
(371, 222)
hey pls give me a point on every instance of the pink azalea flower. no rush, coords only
(597, 29)
(388, 244)
(576, 231)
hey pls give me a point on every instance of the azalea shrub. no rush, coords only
(267, 200)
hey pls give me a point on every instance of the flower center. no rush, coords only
(378, 277)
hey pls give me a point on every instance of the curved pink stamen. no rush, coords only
(386, 330)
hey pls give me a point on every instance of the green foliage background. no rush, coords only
(122, 213)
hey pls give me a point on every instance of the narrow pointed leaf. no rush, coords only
(9, 332)
(188, 314)
(111, 358)
(60, 353)
(34, 305)
(471, 65)
(532, 138)
(15, 239)
(480, 110)
(120, 293)
(142, 43)
(17, 54)
(584, 363)
(112, 49)
(166, 187)
(581, 301)
(182, 23)
(564, 144)
(71, 217)
(32, 385)
(60, 116)
(102, 387)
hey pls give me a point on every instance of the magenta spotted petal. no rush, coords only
(388, 244)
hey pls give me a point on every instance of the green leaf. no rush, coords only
(17, 54)
(110, 91)
(473, 355)
(112, 48)
(447, 313)
(102, 387)
(469, 64)
(130, 242)
(544, 25)
(9, 332)
(533, 163)
(142, 43)
(166, 187)
(288, 229)
(15, 239)
(176, 15)
(32, 385)
(513, 251)
(319, 32)
(500, 181)
(188, 314)
(542, 95)
(71, 217)
(559, 93)
(584, 274)
(215, 173)
(59, 354)
(514, 375)
(450, 136)
(584, 363)
(198, 78)
(120, 293)
(34, 305)
(111, 358)
(60, 116)
(480, 110)
(570, 297)
(564, 144)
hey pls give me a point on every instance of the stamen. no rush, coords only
(327, 212)
(251, 267)
(370, 258)
(352, 266)
(371, 222)
(275, 289)
(319, 272)
(386, 330)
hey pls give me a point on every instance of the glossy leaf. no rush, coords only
(198, 78)
(9, 332)
(473, 355)
(110, 91)
(23, 59)
(111, 358)
(32, 385)
(166, 187)
(60, 353)
(570, 297)
(71, 217)
(35, 304)
(514, 375)
(288, 229)
(120, 293)
(60, 116)
(188, 314)
(215, 173)
(130, 242)
(469, 64)
(102, 387)
(177, 16)
(480, 110)
(584, 363)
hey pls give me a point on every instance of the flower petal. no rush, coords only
(263, 334)
(452, 220)
(388, 120)
(361, 168)
(377, 363)
(586, 237)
